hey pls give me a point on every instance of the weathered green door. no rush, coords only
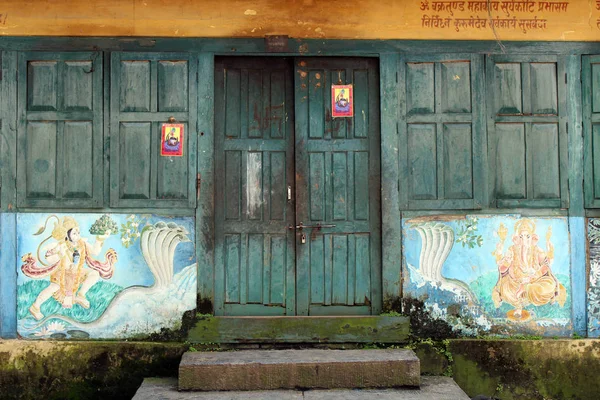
(337, 184)
(281, 161)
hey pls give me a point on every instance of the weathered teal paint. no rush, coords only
(440, 131)
(577, 220)
(591, 128)
(147, 90)
(387, 50)
(60, 130)
(526, 107)
(254, 153)
(205, 211)
(337, 185)
(391, 251)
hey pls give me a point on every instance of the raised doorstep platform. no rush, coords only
(330, 329)
(298, 369)
(432, 388)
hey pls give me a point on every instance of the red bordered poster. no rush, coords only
(171, 142)
(342, 104)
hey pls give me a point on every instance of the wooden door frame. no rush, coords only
(390, 231)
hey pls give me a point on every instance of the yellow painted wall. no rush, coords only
(567, 20)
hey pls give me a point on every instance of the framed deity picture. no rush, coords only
(342, 104)
(171, 142)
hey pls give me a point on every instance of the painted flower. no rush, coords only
(56, 326)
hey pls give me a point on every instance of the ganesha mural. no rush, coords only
(491, 274)
(103, 276)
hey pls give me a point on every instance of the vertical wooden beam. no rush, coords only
(8, 131)
(8, 272)
(8, 171)
(391, 233)
(577, 220)
(205, 230)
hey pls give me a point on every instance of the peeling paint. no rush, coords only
(254, 185)
(250, 12)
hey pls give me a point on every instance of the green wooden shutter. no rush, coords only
(60, 130)
(441, 132)
(591, 129)
(146, 90)
(527, 131)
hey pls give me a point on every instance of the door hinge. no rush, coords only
(565, 77)
(198, 184)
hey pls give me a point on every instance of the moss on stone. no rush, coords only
(82, 370)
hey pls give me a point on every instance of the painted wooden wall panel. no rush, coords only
(78, 176)
(422, 161)
(591, 128)
(458, 158)
(420, 91)
(544, 88)
(441, 149)
(543, 139)
(510, 161)
(508, 88)
(148, 90)
(528, 122)
(78, 92)
(41, 156)
(135, 158)
(455, 87)
(60, 130)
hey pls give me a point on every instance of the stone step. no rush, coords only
(298, 369)
(432, 388)
(313, 329)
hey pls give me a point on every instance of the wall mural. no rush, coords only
(103, 276)
(491, 274)
(594, 277)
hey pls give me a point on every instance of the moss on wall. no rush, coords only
(82, 370)
(528, 369)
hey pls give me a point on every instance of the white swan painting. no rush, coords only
(144, 283)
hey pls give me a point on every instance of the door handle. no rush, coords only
(317, 226)
(289, 193)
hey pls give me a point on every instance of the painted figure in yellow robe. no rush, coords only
(65, 261)
(525, 272)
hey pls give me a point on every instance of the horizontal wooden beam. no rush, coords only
(341, 329)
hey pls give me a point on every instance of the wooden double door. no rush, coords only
(297, 200)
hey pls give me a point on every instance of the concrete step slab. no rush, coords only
(432, 387)
(298, 369)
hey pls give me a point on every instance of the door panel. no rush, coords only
(147, 89)
(254, 164)
(337, 184)
(60, 130)
(591, 129)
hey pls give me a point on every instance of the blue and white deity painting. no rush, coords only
(103, 275)
(491, 274)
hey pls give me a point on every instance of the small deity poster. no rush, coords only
(171, 143)
(341, 101)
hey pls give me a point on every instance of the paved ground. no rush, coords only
(432, 388)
